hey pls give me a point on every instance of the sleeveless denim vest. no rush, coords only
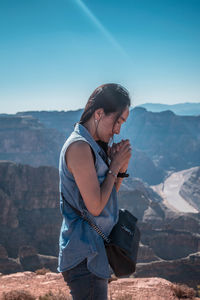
(78, 240)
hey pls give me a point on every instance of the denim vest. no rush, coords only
(78, 240)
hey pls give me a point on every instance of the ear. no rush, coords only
(98, 113)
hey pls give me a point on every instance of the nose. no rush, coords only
(117, 129)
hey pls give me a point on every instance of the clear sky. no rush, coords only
(54, 53)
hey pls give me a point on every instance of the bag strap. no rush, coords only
(90, 222)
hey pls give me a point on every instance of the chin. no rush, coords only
(105, 139)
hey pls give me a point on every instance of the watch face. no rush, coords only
(112, 173)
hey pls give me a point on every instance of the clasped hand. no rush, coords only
(121, 154)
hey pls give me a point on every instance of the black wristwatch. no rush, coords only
(123, 175)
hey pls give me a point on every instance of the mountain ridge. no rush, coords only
(187, 108)
(162, 142)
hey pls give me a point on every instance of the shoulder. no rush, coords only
(78, 150)
(79, 154)
(78, 146)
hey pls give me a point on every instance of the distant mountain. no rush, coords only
(62, 121)
(186, 109)
(172, 142)
(36, 138)
(162, 142)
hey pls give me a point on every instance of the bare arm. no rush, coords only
(118, 183)
(80, 162)
(123, 168)
(119, 179)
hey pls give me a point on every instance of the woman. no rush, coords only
(89, 183)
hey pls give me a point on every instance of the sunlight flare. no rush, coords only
(100, 26)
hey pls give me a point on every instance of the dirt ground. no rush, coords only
(131, 288)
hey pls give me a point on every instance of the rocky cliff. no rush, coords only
(181, 190)
(25, 140)
(185, 270)
(170, 234)
(62, 121)
(162, 142)
(29, 202)
(30, 221)
(190, 189)
(171, 141)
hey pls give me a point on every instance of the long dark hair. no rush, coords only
(112, 98)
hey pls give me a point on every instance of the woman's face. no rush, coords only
(108, 126)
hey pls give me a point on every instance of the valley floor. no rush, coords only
(169, 191)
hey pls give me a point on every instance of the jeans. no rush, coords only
(84, 285)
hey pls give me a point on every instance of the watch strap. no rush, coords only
(122, 175)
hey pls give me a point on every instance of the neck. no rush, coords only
(92, 130)
(90, 126)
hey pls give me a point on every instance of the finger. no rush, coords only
(126, 142)
(126, 146)
(118, 144)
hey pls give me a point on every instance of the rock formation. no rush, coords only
(8, 265)
(162, 142)
(25, 140)
(169, 233)
(132, 288)
(190, 189)
(185, 270)
(181, 190)
(30, 220)
(165, 138)
(30, 213)
(62, 121)
(146, 254)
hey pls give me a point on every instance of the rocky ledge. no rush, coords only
(126, 288)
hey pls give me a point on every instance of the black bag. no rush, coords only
(122, 243)
(122, 247)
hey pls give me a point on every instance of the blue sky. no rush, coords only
(53, 54)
